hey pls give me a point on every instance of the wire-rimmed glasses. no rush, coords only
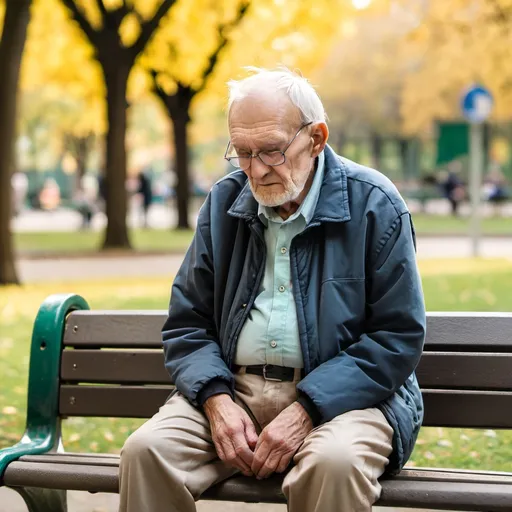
(242, 159)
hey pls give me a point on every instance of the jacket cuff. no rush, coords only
(214, 387)
(310, 408)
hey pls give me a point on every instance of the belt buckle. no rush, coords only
(269, 378)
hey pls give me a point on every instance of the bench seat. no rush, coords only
(428, 488)
(110, 364)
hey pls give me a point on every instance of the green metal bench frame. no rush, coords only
(42, 431)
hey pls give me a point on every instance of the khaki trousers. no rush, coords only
(171, 460)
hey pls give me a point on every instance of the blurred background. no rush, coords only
(113, 129)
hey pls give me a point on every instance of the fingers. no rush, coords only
(284, 463)
(235, 451)
(272, 455)
(250, 433)
(261, 455)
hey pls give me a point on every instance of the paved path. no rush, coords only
(163, 216)
(62, 269)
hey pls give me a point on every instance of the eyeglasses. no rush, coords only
(242, 159)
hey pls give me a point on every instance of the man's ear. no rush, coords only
(320, 135)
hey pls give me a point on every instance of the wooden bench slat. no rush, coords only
(77, 458)
(408, 473)
(467, 329)
(468, 409)
(410, 489)
(126, 329)
(480, 371)
(471, 409)
(114, 366)
(114, 401)
(142, 329)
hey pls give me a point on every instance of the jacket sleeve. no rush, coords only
(386, 354)
(193, 355)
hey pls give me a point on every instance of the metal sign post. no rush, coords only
(476, 107)
(476, 155)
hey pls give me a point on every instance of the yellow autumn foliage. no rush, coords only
(458, 43)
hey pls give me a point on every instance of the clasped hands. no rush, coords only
(238, 445)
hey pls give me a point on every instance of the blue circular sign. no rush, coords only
(477, 103)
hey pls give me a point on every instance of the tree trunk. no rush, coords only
(116, 235)
(17, 15)
(180, 124)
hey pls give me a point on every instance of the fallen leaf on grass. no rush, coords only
(108, 436)
(6, 343)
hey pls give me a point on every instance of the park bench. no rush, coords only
(110, 363)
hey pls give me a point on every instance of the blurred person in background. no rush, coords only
(49, 196)
(495, 188)
(145, 191)
(295, 323)
(453, 187)
(19, 183)
(85, 200)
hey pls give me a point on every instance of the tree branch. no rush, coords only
(223, 41)
(102, 9)
(156, 87)
(148, 28)
(82, 21)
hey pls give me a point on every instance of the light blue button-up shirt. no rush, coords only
(270, 334)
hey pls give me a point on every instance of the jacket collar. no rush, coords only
(332, 206)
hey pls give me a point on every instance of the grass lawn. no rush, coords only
(90, 241)
(178, 241)
(448, 225)
(471, 285)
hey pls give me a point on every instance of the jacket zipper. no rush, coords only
(235, 333)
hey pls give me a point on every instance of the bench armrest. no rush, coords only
(42, 430)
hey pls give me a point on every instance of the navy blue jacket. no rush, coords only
(358, 294)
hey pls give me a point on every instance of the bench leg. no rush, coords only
(43, 500)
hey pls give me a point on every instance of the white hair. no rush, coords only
(297, 88)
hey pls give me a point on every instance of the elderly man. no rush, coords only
(295, 323)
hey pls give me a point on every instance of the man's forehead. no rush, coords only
(263, 109)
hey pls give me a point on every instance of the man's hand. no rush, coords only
(233, 432)
(280, 439)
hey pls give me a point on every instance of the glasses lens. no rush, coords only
(272, 158)
(240, 162)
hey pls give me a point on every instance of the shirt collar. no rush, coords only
(308, 206)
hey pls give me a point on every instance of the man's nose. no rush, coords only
(258, 169)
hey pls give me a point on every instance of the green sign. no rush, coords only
(453, 141)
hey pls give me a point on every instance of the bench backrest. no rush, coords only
(112, 365)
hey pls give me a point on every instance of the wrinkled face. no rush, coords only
(264, 122)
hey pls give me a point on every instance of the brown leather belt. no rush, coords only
(271, 372)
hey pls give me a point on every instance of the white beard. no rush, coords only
(273, 199)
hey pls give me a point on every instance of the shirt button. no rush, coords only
(283, 250)
(282, 288)
(273, 344)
